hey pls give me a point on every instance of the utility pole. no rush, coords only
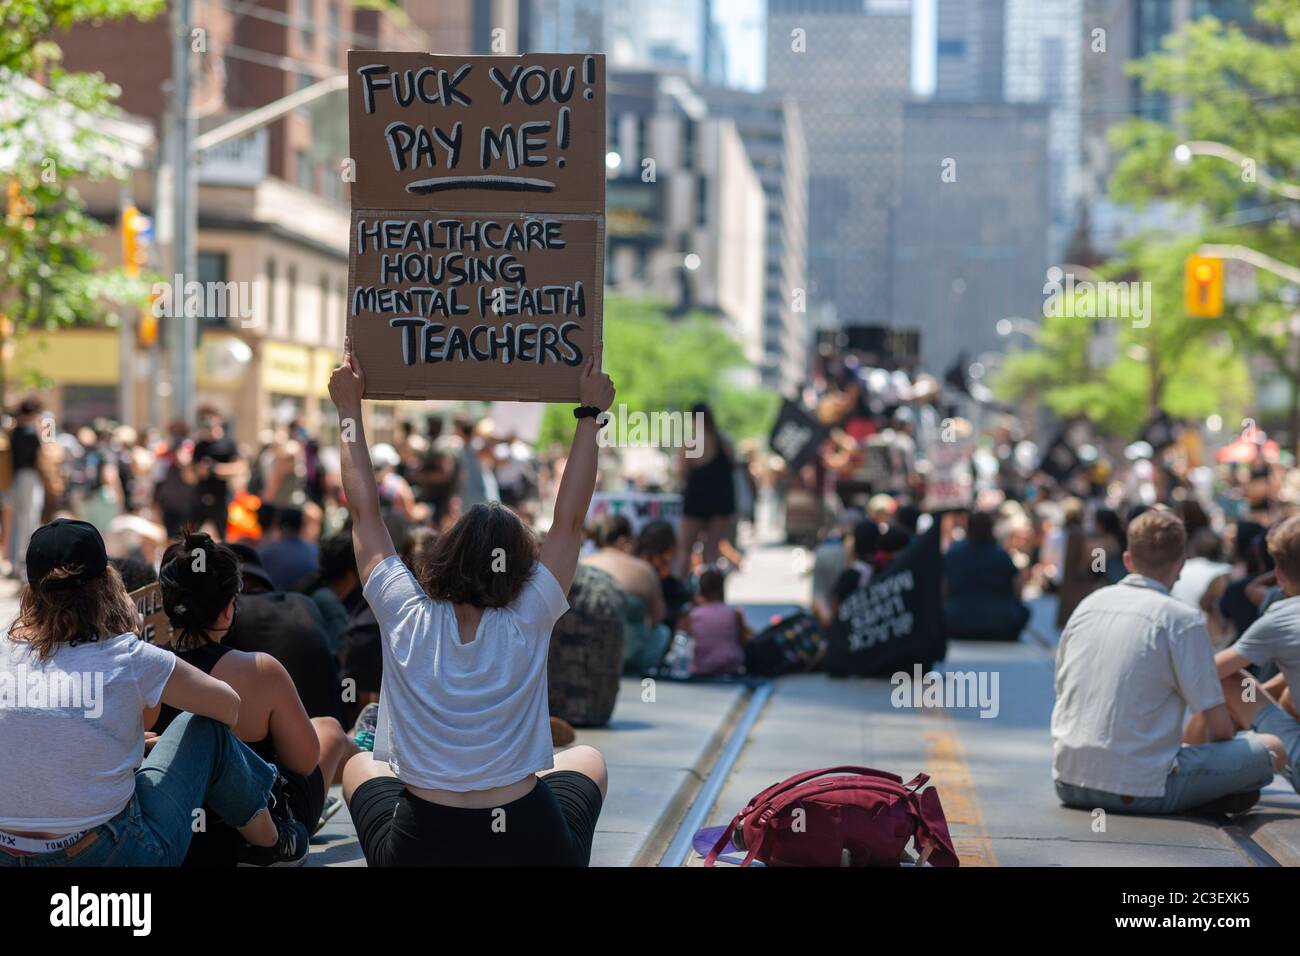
(183, 337)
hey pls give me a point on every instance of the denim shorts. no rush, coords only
(1201, 773)
(1272, 719)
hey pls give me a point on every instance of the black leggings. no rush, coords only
(552, 825)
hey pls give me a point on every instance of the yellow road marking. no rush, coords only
(946, 764)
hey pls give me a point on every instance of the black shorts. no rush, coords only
(552, 825)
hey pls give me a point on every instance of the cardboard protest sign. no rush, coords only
(477, 241)
(796, 435)
(640, 508)
(896, 621)
(156, 628)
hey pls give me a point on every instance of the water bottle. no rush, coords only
(679, 657)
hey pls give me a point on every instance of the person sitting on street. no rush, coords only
(201, 586)
(645, 638)
(657, 546)
(86, 786)
(719, 630)
(1272, 641)
(983, 597)
(336, 588)
(290, 628)
(463, 736)
(1131, 661)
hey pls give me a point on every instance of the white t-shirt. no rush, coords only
(1274, 638)
(456, 716)
(1130, 661)
(72, 730)
(1195, 577)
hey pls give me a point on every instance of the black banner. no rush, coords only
(797, 435)
(896, 621)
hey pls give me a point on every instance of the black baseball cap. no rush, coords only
(66, 542)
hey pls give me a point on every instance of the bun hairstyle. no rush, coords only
(198, 578)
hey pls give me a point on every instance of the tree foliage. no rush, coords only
(664, 364)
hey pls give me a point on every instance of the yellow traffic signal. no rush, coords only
(1203, 287)
(135, 241)
(146, 326)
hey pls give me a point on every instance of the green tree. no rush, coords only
(663, 364)
(51, 138)
(1243, 91)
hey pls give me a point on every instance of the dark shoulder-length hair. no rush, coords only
(60, 610)
(484, 560)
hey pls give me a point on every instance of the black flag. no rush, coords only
(896, 621)
(1059, 462)
(796, 436)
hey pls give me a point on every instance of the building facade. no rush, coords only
(772, 131)
(971, 242)
(847, 64)
(686, 210)
(272, 207)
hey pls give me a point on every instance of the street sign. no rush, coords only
(477, 241)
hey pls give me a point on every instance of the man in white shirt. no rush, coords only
(1131, 661)
(1274, 639)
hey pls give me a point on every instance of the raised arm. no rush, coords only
(564, 540)
(370, 538)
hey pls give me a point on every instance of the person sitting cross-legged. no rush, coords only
(1131, 660)
(1272, 641)
(463, 771)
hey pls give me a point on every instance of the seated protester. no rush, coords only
(1272, 641)
(982, 602)
(289, 628)
(657, 546)
(202, 601)
(1202, 566)
(136, 573)
(1131, 660)
(866, 553)
(1241, 599)
(645, 639)
(83, 787)
(586, 656)
(463, 733)
(336, 588)
(719, 630)
(289, 558)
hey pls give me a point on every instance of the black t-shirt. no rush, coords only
(214, 489)
(26, 445)
(287, 626)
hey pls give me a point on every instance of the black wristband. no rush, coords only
(586, 411)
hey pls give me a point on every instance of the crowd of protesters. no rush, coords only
(300, 579)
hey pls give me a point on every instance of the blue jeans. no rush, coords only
(196, 761)
(1202, 772)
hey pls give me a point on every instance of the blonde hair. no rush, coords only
(1284, 545)
(49, 616)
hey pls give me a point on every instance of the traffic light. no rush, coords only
(137, 232)
(1203, 287)
(146, 326)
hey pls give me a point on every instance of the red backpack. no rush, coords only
(867, 814)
